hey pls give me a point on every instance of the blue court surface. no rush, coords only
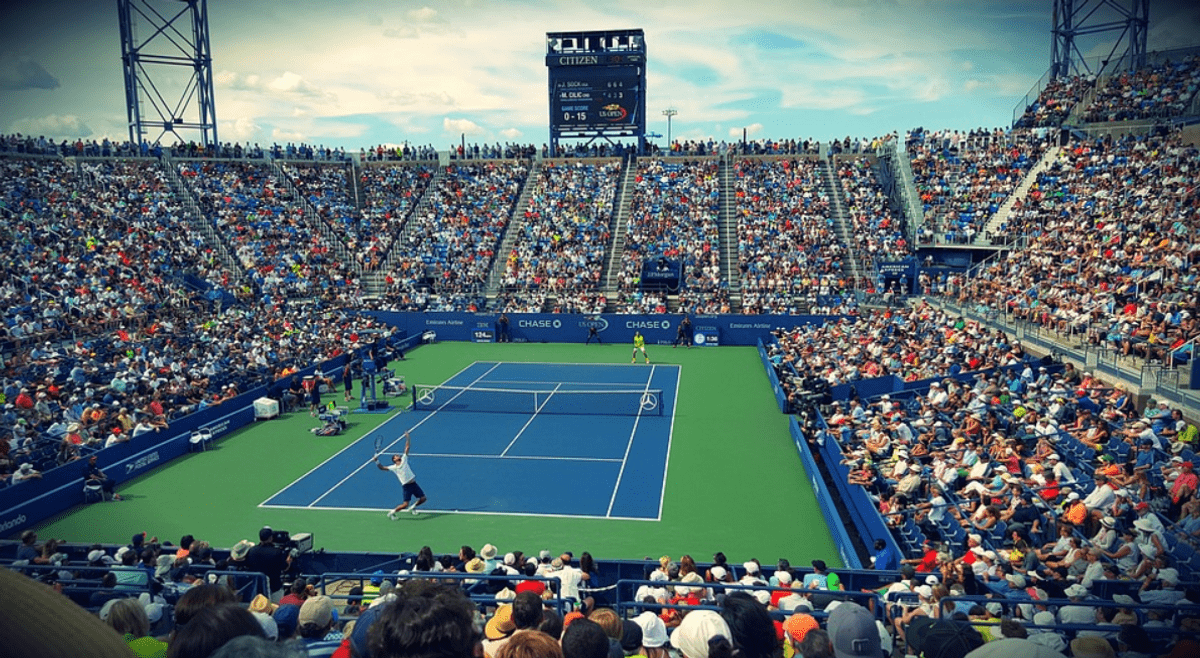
(542, 439)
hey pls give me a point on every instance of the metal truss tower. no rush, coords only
(1075, 18)
(160, 39)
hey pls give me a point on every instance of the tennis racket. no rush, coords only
(378, 447)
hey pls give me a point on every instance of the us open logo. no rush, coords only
(599, 323)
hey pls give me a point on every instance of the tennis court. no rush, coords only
(516, 439)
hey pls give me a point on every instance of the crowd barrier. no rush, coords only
(707, 330)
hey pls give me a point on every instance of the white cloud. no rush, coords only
(424, 14)
(750, 130)
(242, 129)
(462, 127)
(404, 32)
(511, 133)
(288, 82)
(52, 125)
(281, 135)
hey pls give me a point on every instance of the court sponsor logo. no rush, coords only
(143, 462)
(539, 324)
(15, 522)
(218, 429)
(647, 324)
(752, 325)
(448, 323)
(599, 323)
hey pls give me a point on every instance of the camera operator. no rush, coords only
(270, 560)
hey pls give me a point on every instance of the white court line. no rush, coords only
(351, 445)
(528, 422)
(629, 445)
(419, 423)
(662, 496)
(427, 511)
(518, 457)
(528, 382)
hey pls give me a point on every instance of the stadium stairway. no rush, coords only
(727, 234)
(623, 202)
(500, 262)
(841, 218)
(314, 220)
(375, 283)
(206, 226)
(356, 191)
(1004, 211)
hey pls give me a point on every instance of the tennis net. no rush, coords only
(634, 402)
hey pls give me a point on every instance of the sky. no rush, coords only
(357, 73)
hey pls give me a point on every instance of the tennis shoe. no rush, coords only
(415, 512)
(392, 516)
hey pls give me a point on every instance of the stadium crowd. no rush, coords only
(1151, 92)
(442, 260)
(561, 248)
(258, 215)
(390, 195)
(879, 227)
(786, 245)
(963, 178)
(673, 216)
(1112, 248)
(1055, 102)
(186, 600)
(68, 398)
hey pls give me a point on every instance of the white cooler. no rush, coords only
(265, 408)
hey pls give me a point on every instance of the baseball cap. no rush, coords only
(287, 618)
(698, 627)
(797, 626)
(852, 632)
(317, 610)
(654, 631)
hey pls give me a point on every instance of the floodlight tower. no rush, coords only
(161, 37)
(1074, 18)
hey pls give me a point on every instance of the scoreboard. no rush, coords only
(596, 97)
(597, 84)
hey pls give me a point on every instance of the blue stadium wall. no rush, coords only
(613, 328)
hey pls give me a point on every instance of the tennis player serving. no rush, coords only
(639, 343)
(407, 479)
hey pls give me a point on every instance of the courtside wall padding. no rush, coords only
(837, 526)
(745, 330)
(772, 377)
